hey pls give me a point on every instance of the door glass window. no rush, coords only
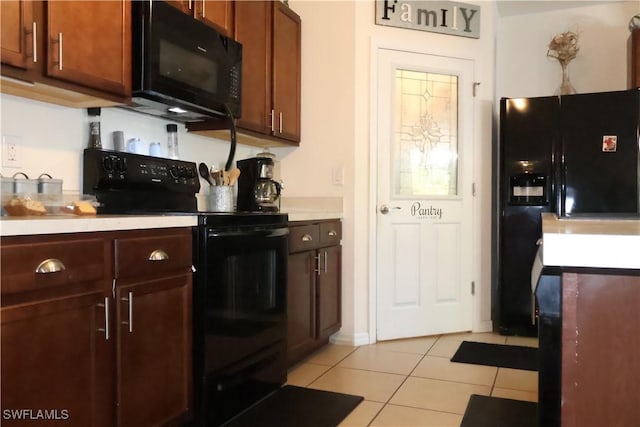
(425, 134)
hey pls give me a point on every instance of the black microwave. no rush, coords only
(183, 70)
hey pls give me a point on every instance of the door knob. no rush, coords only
(384, 209)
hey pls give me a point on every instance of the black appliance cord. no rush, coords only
(232, 128)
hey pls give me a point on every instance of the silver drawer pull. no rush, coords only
(332, 233)
(50, 265)
(106, 318)
(129, 302)
(158, 255)
(307, 238)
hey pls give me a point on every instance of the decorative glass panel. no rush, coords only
(425, 134)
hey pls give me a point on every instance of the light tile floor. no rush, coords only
(412, 382)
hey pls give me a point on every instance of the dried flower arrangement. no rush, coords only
(564, 47)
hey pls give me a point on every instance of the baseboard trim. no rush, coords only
(357, 339)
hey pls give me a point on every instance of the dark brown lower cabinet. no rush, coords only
(600, 348)
(54, 356)
(96, 329)
(314, 286)
(154, 351)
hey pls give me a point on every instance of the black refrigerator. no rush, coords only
(573, 155)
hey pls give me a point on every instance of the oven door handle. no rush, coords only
(278, 232)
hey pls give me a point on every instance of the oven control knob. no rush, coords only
(121, 165)
(182, 171)
(191, 173)
(173, 170)
(107, 163)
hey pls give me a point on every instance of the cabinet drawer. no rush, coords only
(304, 238)
(28, 265)
(330, 233)
(141, 256)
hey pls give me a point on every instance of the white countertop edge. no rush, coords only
(591, 250)
(313, 216)
(72, 224)
(591, 243)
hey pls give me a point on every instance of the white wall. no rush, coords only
(53, 138)
(523, 69)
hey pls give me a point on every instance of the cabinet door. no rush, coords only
(253, 30)
(89, 43)
(286, 72)
(183, 5)
(301, 305)
(329, 306)
(153, 351)
(18, 24)
(217, 14)
(55, 358)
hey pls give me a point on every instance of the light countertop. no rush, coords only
(596, 243)
(298, 209)
(16, 226)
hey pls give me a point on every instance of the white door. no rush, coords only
(424, 194)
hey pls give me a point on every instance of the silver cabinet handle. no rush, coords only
(332, 233)
(59, 41)
(384, 209)
(106, 318)
(60, 51)
(203, 8)
(34, 31)
(130, 322)
(325, 262)
(190, 4)
(307, 238)
(273, 119)
(158, 255)
(50, 265)
(317, 258)
(280, 121)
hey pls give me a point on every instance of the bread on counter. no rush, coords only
(19, 206)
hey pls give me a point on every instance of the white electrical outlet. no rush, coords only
(11, 152)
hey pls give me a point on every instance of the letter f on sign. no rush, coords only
(388, 8)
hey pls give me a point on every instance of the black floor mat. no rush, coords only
(502, 356)
(292, 406)
(485, 411)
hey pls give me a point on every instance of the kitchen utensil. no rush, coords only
(234, 174)
(204, 172)
(225, 178)
(217, 177)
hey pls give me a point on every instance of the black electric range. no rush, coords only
(239, 282)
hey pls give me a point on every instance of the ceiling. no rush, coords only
(523, 7)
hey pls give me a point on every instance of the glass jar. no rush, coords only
(94, 127)
(172, 142)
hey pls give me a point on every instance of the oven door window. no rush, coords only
(245, 295)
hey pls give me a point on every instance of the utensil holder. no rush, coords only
(221, 198)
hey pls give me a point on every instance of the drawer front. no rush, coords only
(304, 238)
(330, 233)
(29, 266)
(142, 256)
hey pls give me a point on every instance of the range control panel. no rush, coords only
(114, 170)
